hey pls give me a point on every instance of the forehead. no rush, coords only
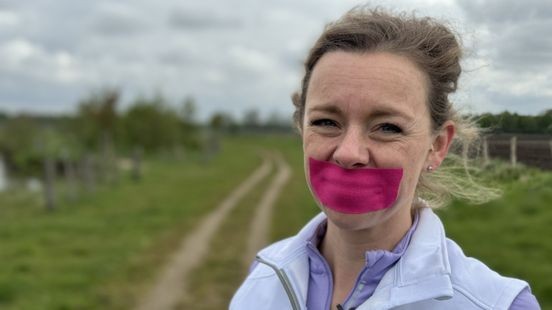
(368, 80)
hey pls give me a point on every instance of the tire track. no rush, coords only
(260, 226)
(171, 284)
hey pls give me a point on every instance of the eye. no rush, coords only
(323, 122)
(390, 128)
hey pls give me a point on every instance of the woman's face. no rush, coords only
(369, 110)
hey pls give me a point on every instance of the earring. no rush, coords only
(430, 168)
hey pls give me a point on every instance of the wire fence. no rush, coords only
(531, 150)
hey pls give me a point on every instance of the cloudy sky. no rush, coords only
(236, 55)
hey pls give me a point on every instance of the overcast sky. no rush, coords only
(236, 55)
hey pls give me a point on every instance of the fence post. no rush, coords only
(485, 151)
(49, 179)
(4, 174)
(513, 150)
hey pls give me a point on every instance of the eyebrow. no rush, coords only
(377, 112)
(328, 108)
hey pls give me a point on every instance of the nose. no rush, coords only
(352, 151)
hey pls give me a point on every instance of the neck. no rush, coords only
(345, 249)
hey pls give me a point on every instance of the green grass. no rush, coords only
(102, 251)
(294, 209)
(510, 234)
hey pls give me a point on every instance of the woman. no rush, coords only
(376, 122)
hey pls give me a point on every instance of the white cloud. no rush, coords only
(251, 59)
(16, 51)
(9, 18)
(234, 55)
(24, 58)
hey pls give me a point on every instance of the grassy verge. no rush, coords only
(510, 234)
(294, 209)
(102, 251)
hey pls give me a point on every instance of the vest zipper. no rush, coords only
(286, 283)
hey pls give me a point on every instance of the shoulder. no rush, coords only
(475, 281)
(262, 289)
(286, 250)
(472, 284)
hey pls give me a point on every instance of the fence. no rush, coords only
(527, 149)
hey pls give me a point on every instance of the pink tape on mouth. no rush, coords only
(354, 191)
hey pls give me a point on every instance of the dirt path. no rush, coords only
(260, 227)
(171, 285)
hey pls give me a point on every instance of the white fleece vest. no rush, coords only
(433, 273)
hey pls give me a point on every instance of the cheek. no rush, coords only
(414, 159)
(316, 147)
(390, 155)
(408, 156)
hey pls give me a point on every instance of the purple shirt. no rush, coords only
(378, 262)
(525, 301)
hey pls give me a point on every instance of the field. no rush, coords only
(103, 251)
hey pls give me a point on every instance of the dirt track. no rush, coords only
(260, 225)
(171, 285)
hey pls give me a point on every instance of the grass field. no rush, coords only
(102, 252)
(510, 234)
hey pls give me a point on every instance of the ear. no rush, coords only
(441, 144)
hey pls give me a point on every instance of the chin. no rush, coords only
(358, 221)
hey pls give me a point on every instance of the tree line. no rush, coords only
(101, 127)
(507, 122)
(98, 127)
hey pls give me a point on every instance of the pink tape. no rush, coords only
(354, 191)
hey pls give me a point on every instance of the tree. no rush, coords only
(487, 120)
(97, 118)
(545, 121)
(25, 141)
(19, 143)
(151, 124)
(221, 121)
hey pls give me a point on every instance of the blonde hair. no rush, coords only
(456, 179)
(436, 50)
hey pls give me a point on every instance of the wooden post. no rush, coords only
(4, 174)
(485, 151)
(513, 151)
(49, 179)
